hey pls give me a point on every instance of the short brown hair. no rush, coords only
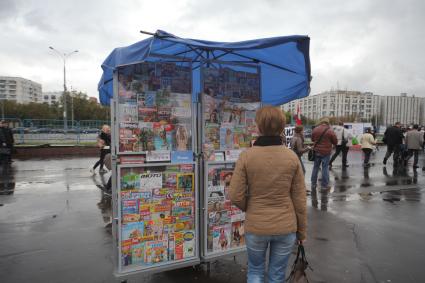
(299, 128)
(270, 121)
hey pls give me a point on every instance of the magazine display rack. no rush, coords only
(231, 96)
(155, 191)
(161, 181)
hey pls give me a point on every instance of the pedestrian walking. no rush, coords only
(393, 138)
(367, 142)
(268, 184)
(414, 142)
(4, 150)
(323, 137)
(104, 143)
(10, 141)
(297, 144)
(343, 136)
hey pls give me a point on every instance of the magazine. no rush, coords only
(156, 251)
(226, 138)
(185, 182)
(238, 234)
(137, 254)
(132, 232)
(221, 237)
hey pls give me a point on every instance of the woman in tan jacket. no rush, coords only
(268, 184)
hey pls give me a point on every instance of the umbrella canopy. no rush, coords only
(284, 62)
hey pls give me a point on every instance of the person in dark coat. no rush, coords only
(393, 138)
(6, 143)
(104, 142)
(8, 134)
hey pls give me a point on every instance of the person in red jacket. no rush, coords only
(323, 138)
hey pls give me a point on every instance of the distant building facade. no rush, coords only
(52, 97)
(361, 106)
(402, 108)
(337, 103)
(20, 90)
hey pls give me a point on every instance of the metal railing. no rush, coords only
(49, 131)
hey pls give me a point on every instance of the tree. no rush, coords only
(84, 109)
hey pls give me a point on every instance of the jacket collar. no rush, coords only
(268, 140)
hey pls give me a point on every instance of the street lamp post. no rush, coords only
(64, 56)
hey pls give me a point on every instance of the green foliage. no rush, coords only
(84, 109)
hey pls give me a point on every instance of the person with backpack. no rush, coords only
(323, 138)
(343, 136)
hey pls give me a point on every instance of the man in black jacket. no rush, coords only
(393, 138)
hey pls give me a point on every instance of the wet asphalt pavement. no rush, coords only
(368, 228)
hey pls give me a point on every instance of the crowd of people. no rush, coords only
(402, 143)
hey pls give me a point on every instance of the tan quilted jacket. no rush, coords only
(276, 201)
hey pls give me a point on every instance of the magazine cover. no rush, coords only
(221, 237)
(212, 135)
(128, 113)
(225, 178)
(189, 244)
(149, 181)
(215, 204)
(170, 180)
(238, 234)
(185, 182)
(156, 251)
(137, 254)
(145, 212)
(162, 138)
(146, 136)
(126, 255)
(133, 232)
(178, 245)
(130, 211)
(128, 137)
(217, 218)
(226, 138)
(182, 136)
(130, 181)
(154, 229)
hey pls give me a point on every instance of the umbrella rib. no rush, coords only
(264, 62)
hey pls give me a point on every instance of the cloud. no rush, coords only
(363, 45)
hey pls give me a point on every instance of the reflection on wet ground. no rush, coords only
(377, 182)
(55, 220)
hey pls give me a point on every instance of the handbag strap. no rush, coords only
(321, 136)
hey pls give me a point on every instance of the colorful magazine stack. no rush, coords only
(225, 221)
(157, 214)
(230, 100)
(154, 107)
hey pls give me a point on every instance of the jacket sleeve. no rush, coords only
(239, 183)
(334, 140)
(298, 196)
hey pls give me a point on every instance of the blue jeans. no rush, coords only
(280, 250)
(324, 161)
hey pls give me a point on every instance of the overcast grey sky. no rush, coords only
(366, 45)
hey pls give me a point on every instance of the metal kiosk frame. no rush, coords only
(129, 272)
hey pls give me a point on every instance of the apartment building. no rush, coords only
(20, 90)
(52, 97)
(403, 108)
(361, 106)
(337, 103)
